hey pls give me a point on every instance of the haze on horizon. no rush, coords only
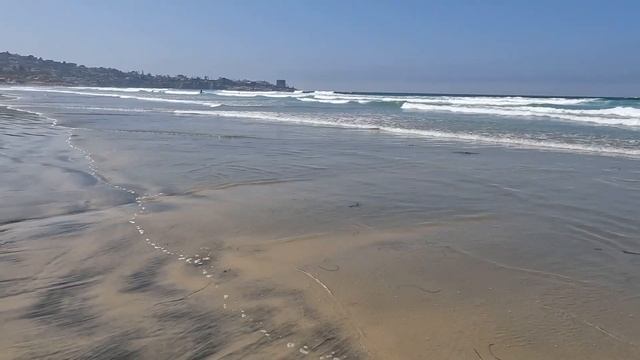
(500, 47)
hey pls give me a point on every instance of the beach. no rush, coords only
(169, 224)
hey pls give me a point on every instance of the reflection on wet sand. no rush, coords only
(193, 284)
(139, 244)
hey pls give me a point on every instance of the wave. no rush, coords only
(332, 97)
(501, 101)
(99, 108)
(614, 116)
(146, 90)
(271, 94)
(182, 92)
(506, 140)
(237, 93)
(141, 98)
(327, 101)
(8, 97)
(116, 89)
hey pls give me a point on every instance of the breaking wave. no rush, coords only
(325, 101)
(614, 116)
(623, 114)
(271, 94)
(121, 96)
(340, 98)
(144, 90)
(331, 97)
(508, 140)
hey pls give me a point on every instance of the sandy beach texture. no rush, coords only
(241, 240)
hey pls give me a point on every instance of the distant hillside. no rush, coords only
(19, 70)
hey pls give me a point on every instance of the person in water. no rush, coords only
(201, 92)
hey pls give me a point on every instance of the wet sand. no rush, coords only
(102, 257)
(92, 286)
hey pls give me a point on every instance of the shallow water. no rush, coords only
(345, 224)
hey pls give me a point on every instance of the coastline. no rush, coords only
(312, 263)
(22, 70)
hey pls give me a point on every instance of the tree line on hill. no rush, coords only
(30, 70)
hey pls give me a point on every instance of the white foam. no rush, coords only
(182, 92)
(271, 94)
(436, 134)
(499, 101)
(325, 101)
(117, 89)
(338, 98)
(144, 90)
(98, 108)
(141, 98)
(613, 116)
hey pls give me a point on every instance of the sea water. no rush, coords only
(542, 189)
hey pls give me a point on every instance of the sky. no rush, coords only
(560, 47)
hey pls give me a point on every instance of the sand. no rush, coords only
(114, 245)
(91, 285)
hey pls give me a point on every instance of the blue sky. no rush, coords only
(528, 47)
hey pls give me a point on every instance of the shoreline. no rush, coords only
(217, 109)
(359, 260)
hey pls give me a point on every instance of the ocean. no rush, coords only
(601, 125)
(342, 225)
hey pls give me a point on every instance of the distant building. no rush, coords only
(281, 83)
